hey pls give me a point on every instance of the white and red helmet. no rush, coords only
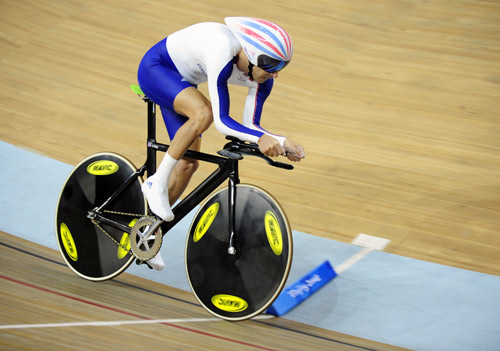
(266, 44)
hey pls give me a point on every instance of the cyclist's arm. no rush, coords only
(254, 104)
(219, 95)
(220, 72)
(253, 110)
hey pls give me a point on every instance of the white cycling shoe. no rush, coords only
(156, 262)
(157, 199)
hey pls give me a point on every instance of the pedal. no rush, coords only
(146, 238)
(139, 262)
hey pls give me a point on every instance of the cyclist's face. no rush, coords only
(260, 76)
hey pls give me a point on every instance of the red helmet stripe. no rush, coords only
(263, 40)
(284, 34)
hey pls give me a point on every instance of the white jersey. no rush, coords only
(206, 52)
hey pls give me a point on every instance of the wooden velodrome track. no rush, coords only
(395, 102)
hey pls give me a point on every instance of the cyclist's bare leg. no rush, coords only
(194, 105)
(182, 173)
(175, 173)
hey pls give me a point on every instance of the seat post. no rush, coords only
(151, 151)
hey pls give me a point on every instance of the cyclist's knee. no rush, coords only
(203, 118)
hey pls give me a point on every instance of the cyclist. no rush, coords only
(248, 52)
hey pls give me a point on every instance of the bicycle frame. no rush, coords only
(227, 169)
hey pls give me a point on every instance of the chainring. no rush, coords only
(145, 245)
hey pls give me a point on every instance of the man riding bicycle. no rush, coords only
(248, 52)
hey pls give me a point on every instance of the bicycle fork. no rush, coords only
(233, 181)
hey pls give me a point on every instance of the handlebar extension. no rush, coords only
(236, 148)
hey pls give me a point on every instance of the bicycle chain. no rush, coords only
(129, 251)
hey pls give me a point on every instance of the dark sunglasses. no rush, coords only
(270, 64)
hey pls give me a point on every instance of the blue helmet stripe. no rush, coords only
(260, 47)
(271, 34)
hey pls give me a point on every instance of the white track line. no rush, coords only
(369, 244)
(116, 323)
(352, 260)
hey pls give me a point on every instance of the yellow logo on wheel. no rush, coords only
(205, 222)
(102, 168)
(68, 242)
(273, 232)
(124, 249)
(229, 303)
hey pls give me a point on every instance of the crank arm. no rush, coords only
(151, 230)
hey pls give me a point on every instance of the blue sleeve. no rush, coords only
(224, 104)
(263, 92)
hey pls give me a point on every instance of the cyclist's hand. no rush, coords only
(270, 146)
(294, 151)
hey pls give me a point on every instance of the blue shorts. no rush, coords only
(160, 80)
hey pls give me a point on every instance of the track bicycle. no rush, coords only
(238, 250)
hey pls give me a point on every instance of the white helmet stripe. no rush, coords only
(275, 41)
(274, 54)
(261, 37)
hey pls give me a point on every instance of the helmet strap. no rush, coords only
(250, 70)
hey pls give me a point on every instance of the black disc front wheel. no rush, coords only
(240, 286)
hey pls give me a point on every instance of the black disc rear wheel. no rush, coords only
(92, 252)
